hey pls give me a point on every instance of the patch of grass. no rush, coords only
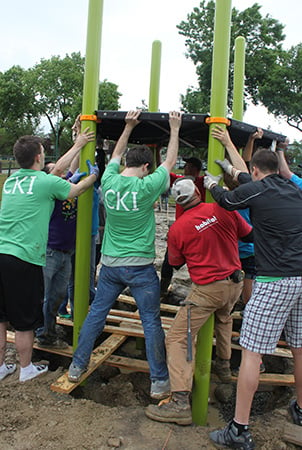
(3, 177)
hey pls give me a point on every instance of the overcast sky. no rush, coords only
(34, 29)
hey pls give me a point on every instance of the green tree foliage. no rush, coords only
(52, 89)
(282, 93)
(18, 114)
(264, 37)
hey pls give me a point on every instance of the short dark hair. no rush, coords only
(137, 156)
(265, 160)
(25, 150)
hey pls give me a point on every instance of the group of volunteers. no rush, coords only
(204, 236)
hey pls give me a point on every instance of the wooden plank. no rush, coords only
(283, 352)
(275, 379)
(165, 307)
(63, 352)
(98, 356)
(135, 365)
(293, 434)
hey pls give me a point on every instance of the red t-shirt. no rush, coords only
(198, 182)
(205, 237)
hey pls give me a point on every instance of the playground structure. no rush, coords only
(195, 132)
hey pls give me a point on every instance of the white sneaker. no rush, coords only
(33, 371)
(7, 369)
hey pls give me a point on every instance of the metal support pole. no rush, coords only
(239, 69)
(218, 108)
(84, 217)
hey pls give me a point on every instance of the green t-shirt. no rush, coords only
(130, 222)
(27, 203)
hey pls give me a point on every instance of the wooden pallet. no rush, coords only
(120, 324)
(293, 434)
(98, 356)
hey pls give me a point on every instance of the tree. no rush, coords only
(52, 89)
(264, 37)
(282, 92)
(18, 113)
(58, 85)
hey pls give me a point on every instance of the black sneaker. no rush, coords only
(296, 415)
(228, 437)
(57, 344)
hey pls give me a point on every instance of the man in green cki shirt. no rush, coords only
(128, 250)
(28, 198)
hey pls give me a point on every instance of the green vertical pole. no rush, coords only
(155, 77)
(218, 108)
(239, 69)
(84, 218)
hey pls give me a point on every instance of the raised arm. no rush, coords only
(65, 161)
(172, 150)
(248, 149)
(83, 185)
(131, 120)
(284, 170)
(222, 135)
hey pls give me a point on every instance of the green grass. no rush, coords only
(2, 181)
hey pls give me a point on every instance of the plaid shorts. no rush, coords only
(273, 306)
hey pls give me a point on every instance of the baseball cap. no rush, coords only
(196, 162)
(183, 190)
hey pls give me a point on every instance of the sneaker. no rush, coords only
(7, 369)
(160, 389)
(296, 415)
(262, 367)
(228, 437)
(174, 411)
(235, 340)
(75, 373)
(65, 316)
(33, 371)
(58, 343)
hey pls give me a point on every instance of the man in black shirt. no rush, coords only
(276, 214)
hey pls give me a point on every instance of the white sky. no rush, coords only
(35, 29)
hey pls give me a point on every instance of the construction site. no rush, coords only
(107, 411)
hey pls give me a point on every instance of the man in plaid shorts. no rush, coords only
(276, 214)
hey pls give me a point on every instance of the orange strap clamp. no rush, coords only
(91, 117)
(223, 120)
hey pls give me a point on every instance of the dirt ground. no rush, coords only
(108, 412)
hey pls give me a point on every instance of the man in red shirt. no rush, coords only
(192, 170)
(205, 237)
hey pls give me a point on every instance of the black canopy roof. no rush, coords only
(154, 129)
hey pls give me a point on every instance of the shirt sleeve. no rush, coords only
(59, 188)
(239, 198)
(297, 180)
(174, 254)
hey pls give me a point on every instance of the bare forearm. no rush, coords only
(284, 170)
(121, 144)
(172, 150)
(65, 161)
(235, 157)
(82, 186)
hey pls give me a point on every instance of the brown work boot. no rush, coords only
(221, 367)
(177, 410)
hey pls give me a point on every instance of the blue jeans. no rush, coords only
(144, 284)
(70, 290)
(56, 276)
